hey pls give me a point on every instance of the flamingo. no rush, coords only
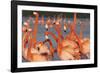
(25, 39)
(37, 51)
(83, 42)
(74, 49)
(65, 51)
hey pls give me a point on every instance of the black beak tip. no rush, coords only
(46, 29)
(64, 30)
(38, 48)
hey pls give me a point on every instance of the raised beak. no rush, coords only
(46, 26)
(65, 28)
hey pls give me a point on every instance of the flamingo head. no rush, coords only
(46, 26)
(24, 28)
(41, 47)
(26, 24)
(35, 13)
(38, 46)
(65, 28)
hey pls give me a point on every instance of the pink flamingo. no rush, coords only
(37, 51)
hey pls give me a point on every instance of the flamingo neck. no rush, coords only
(53, 35)
(42, 20)
(25, 39)
(35, 30)
(57, 41)
(57, 28)
(74, 22)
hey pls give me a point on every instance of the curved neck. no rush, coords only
(27, 39)
(57, 41)
(51, 45)
(23, 41)
(53, 35)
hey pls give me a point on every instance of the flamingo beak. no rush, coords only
(65, 28)
(46, 36)
(46, 26)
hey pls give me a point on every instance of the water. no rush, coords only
(41, 30)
